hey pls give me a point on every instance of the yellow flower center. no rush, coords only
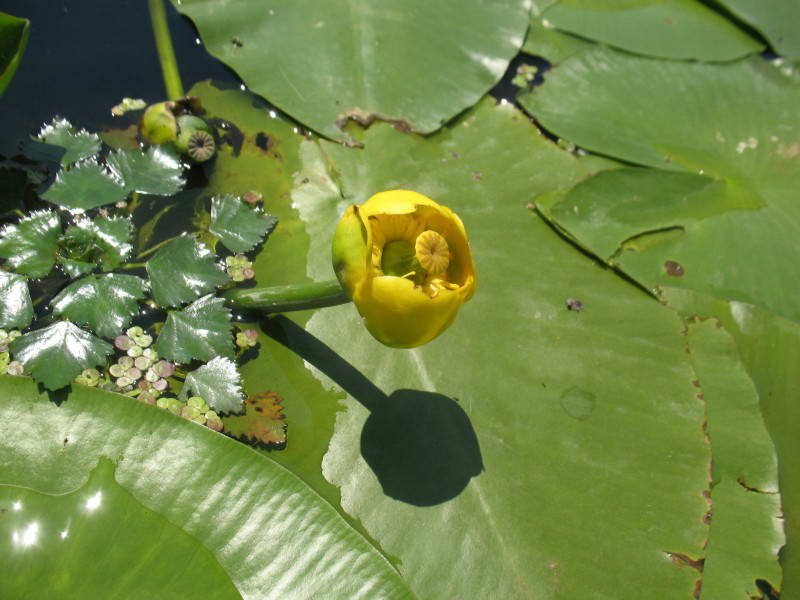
(432, 252)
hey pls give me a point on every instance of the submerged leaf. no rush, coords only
(106, 303)
(77, 145)
(263, 421)
(86, 185)
(202, 330)
(156, 171)
(218, 383)
(238, 226)
(54, 355)
(30, 246)
(16, 309)
(183, 270)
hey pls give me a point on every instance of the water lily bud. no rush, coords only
(158, 124)
(406, 263)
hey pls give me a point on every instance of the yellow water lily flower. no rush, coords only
(405, 262)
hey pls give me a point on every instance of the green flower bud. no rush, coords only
(158, 124)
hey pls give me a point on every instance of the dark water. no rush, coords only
(84, 56)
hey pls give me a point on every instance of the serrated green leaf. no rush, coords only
(113, 235)
(218, 383)
(156, 171)
(106, 303)
(86, 185)
(77, 145)
(238, 226)
(55, 354)
(183, 270)
(29, 247)
(16, 309)
(202, 330)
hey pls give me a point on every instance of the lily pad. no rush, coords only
(776, 20)
(743, 163)
(77, 144)
(747, 526)
(201, 331)
(69, 544)
(238, 226)
(86, 185)
(218, 383)
(14, 33)
(106, 303)
(182, 271)
(55, 354)
(425, 471)
(156, 171)
(16, 309)
(679, 29)
(769, 347)
(30, 246)
(261, 523)
(332, 62)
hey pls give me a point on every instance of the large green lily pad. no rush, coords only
(408, 459)
(667, 228)
(746, 525)
(406, 60)
(679, 29)
(69, 544)
(777, 20)
(261, 523)
(770, 350)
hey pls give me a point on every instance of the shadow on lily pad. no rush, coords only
(420, 445)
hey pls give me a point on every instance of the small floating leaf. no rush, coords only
(156, 171)
(106, 303)
(263, 421)
(77, 145)
(218, 383)
(202, 330)
(16, 309)
(183, 270)
(30, 246)
(238, 226)
(86, 185)
(54, 355)
(91, 243)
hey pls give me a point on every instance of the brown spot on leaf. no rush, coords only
(673, 269)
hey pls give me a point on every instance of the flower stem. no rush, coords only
(166, 54)
(285, 298)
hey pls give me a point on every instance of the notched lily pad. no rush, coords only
(54, 355)
(218, 383)
(86, 185)
(156, 171)
(183, 270)
(238, 226)
(202, 330)
(16, 309)
(106, 303)
(29, 247)
(263, 421)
